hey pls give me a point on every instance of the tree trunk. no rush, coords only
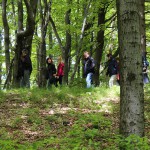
(68, 43)
(143, 28)
(6, 34)
(0, 61)
(44, 16)
(62, 48)
(132, 95)
(50, 38)
(23, 36)
(100, 44)
(19, 45)
(78, 52)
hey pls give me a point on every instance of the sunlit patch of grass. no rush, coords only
(63, 118)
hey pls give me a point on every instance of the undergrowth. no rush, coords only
(66, 118)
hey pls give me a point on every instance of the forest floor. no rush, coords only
(65, 119)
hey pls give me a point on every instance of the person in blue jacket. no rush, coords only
(89, 66)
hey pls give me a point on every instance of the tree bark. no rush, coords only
(0, 61)
(78, 56)
(44, 16)
(68, 43)
(143, 28)
(50, 35)
(100, 44)
(132, 95)
(23, 35)
(6, 34)
(56, 34)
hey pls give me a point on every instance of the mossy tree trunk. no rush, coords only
(6, 35)
(132, 94)
(67, 52)
(0, 61)
(24, 35)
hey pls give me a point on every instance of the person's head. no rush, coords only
(24, 52)
(60, 59)
(49, 60)
(109, 56)
(86, 54)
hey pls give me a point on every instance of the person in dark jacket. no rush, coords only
(145, 67)
(118, 70)
(51, 72)
(89, 66)
(112, 70)
(25, 69)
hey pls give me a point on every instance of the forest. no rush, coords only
(44, 115)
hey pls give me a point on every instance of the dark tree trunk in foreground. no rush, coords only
(6, 34)
(23, 37)
(0, 61)
(132, 95)
(100, 44)
(68, 43)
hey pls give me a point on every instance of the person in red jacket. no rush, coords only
(60, 70)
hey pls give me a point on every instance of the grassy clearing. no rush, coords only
(64, 118)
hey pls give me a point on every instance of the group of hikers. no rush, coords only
(55, 75)
(112, 69)
(52, 75)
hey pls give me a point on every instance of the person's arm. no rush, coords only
(108, 70)
(92, 65)
(63, 65)
(27, 61)
(54, 70)
(46, 73)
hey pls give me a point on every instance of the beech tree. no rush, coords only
(132, 94)
(6, 34)
(24, 34)
(0, 57)
(44, 9)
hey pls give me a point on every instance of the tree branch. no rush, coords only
(81, 41)
(56, 34)
(111, 18)
(30, 19)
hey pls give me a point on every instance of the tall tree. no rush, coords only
(0, 55)
(23, 37)
(44, 17)
(65, 49)
(68, 42)
(6, 34)
(132, 95)
(100, 43)
(78, 52)
(143, 26)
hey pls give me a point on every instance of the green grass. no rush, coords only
(67, 118)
